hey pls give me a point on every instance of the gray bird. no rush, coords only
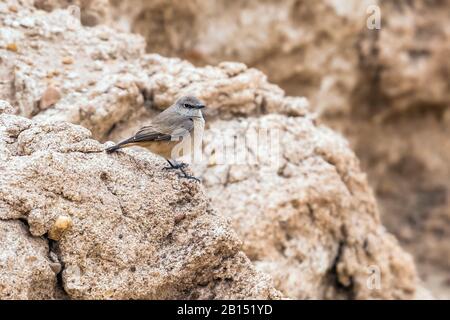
(173, 133)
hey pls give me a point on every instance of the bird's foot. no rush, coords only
(189, 177)
(180, 165)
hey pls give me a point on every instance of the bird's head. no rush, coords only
(190, 106)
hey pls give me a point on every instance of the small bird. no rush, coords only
(173, 133)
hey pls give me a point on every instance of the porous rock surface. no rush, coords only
(25, 267)
(303, 209)
(136, 232)
(387, 89)
(309, 220)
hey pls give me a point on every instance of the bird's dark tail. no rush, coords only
(113, 148)
(121, 144)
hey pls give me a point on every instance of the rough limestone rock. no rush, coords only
(87, 66)
(136, 232)
(392, 83)
(308, 218)
(313, 225)
(386, 89)
(389, 86)
(303, 208)
(26, 270)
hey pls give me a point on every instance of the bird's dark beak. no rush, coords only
(199, 106)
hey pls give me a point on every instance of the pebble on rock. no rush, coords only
(61, 225)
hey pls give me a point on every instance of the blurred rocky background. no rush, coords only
(386, 90)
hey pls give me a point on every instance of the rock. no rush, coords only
(67, 60)
(25, 271)
(324, 51)
(305, 211)
(46, 49)
(308, 218)
(303, 46)
(124, 242)
(47, 5)
(12, 8)
(386, 90)
(50, 96)
(61, 225)
(5, 107)
(12, 47)
(409, 175)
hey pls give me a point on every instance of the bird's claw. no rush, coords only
(186, 176)
(177, 166)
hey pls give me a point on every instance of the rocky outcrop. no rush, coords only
(26, 270)
(89, 68)
(310, 221)
(302, 207)
(119, 226)
(305, 215)
(386, 90)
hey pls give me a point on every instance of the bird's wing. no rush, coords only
(167, 126)
(164, 130)
(148, 133)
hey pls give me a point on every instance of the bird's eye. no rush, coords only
(187, 106)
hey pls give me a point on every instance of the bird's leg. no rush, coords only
(180, 165)
(186, 176)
